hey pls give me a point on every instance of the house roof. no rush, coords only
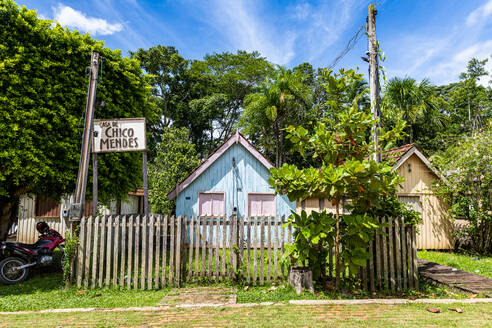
(207, 162)
(397, 156)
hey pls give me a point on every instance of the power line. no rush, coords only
(350, 45)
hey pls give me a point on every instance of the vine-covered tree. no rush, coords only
(43, 92)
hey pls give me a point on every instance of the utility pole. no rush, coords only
(373, 77)
(77, 207)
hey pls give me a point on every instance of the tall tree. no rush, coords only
(405, 98)
(471, 103)
(281, 101)
(232, 76)
(205, 96)
(42, 101)
(175, 159)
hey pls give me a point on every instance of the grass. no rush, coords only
(481, 265)
(283, 292)
(46, 292)
(411, 315)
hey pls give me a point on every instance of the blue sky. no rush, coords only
(421, 38)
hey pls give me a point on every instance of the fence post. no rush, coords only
(415, 264)
(95, 253)
(130, 252)
(178, 251)
(150, 261)
(262, 248)
(81, 251)
(171, 253)
(157, 273)
(164, 251)
(116, 246)
(108, 250)
(88, 245)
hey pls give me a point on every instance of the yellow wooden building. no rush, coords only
(436, 229)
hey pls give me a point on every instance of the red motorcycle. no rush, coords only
(18, 257)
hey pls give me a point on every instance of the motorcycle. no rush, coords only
(17, 257)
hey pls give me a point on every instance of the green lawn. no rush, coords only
(412, 315)
(481, 265)
(46, 292)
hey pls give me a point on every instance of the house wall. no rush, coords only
(26, 229)
(436, 229)
(249, 176)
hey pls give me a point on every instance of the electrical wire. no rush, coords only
(350, 45)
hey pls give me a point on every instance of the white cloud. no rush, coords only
(303, 30)
(70, 17)
(480, 14)
(241, 24)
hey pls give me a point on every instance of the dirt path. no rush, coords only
(200, 295)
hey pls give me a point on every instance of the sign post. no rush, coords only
(121, 135)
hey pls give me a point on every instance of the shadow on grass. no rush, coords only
(39, 280)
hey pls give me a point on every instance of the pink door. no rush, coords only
(211, 204)
(261, 205)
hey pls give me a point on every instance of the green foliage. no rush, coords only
(346, 172)
(175, 159)
(43, 92)
(68, 258)
(468, 169)
(205, 96)
(282, 100)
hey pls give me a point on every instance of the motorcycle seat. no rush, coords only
(30, 246)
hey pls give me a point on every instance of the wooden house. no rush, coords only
(33, 209)
(231, 180)
(436, 229)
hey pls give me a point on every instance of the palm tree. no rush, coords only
(281, 100)
(410, 101)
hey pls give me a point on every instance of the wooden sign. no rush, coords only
(119, 135)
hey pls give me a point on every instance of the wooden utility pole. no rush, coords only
(77, 207)
(373, 77)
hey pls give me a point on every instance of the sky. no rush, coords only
(420, 38)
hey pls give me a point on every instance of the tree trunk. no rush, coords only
(337, 246)
(8, 215)
(277, 137)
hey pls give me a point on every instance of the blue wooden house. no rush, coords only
(231, 180)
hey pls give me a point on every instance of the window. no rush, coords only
(211, 203)
(261, 205)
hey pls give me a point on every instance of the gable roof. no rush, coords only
(397, 156)
(207, 162)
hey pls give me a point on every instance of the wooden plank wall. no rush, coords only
(150, 252)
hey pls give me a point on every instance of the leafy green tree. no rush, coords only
(232, 77)
(175, 159)
(43, 92)
(281, 101)
(470, 104)
(346, 172)
(174, 86)
(467, 166)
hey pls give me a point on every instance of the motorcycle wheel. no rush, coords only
(8, 275)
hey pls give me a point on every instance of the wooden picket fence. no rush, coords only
(150, 252)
